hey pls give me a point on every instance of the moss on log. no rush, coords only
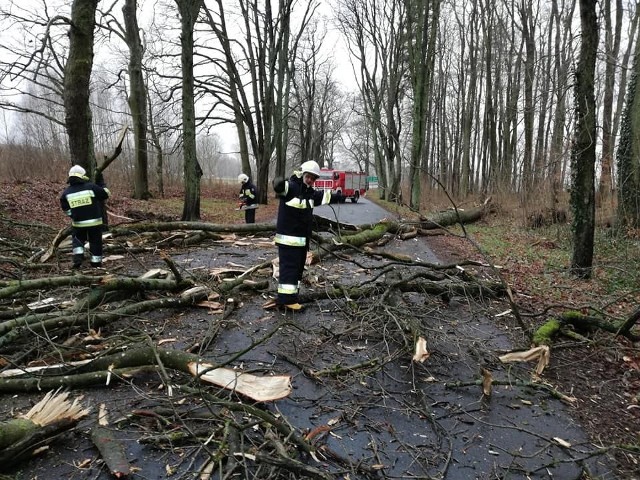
(545, 334)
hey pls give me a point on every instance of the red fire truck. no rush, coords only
(351, 185)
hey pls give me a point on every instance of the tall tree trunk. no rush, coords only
(137, 100)
(490, 125)
(418, 31)
(629, 153)
(562, 62)
(544, 73)
(583, 156)
(528, 33)
(508, 173)
(77, 77)
(157, 147)
(469, 102)
(192, 171)
(612, 48)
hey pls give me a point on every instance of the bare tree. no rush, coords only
(374, 31)
(317, 110)
(422, 27)
(257, 68)
(137, 99)
(31, 69)
(356, 141)
(584, 149)
(77, 77)
(562, 59)
(188, 10)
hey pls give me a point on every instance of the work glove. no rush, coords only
(279, 184)
(100, 179)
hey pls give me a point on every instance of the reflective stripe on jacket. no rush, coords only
(82, 201)
(295, 212)
(248, 193)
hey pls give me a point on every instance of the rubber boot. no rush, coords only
(293, 307)
(77, 261)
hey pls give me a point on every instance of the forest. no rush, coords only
(473, 98)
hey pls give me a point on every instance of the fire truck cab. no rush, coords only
(351, 185)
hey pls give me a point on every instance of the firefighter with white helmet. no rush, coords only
(248, 198)
(82, 200)
(293, 229)
(311, 167)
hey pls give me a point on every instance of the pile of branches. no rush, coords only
(52, 334)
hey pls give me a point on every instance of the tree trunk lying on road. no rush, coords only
(434, 221)
(457, 216)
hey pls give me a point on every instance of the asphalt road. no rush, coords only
(360, 213)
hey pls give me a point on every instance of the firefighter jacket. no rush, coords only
(82, 201)
(295, 212)
(248, 193)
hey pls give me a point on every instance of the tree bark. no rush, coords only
(192, 171)
(137, 100)
(453, 217)
(77, 76)
(583, 156)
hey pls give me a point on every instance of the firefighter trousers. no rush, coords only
(292, 260)
(94, 236)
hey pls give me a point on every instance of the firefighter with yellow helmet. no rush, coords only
(293, 229)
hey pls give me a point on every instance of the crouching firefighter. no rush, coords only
(293, 229)
(83, 200)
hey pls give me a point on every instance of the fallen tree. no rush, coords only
(577, 324)
(201, 231)
(381, 322)
(455, 216)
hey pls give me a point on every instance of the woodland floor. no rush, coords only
(604, 375)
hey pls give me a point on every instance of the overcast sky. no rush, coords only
(333, 46)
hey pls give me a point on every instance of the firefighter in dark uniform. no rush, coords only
(293, 229)
(248, 200)
(82, 200)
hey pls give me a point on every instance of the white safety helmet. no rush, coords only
(310, 167)
(77, 171)
(242, 178)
